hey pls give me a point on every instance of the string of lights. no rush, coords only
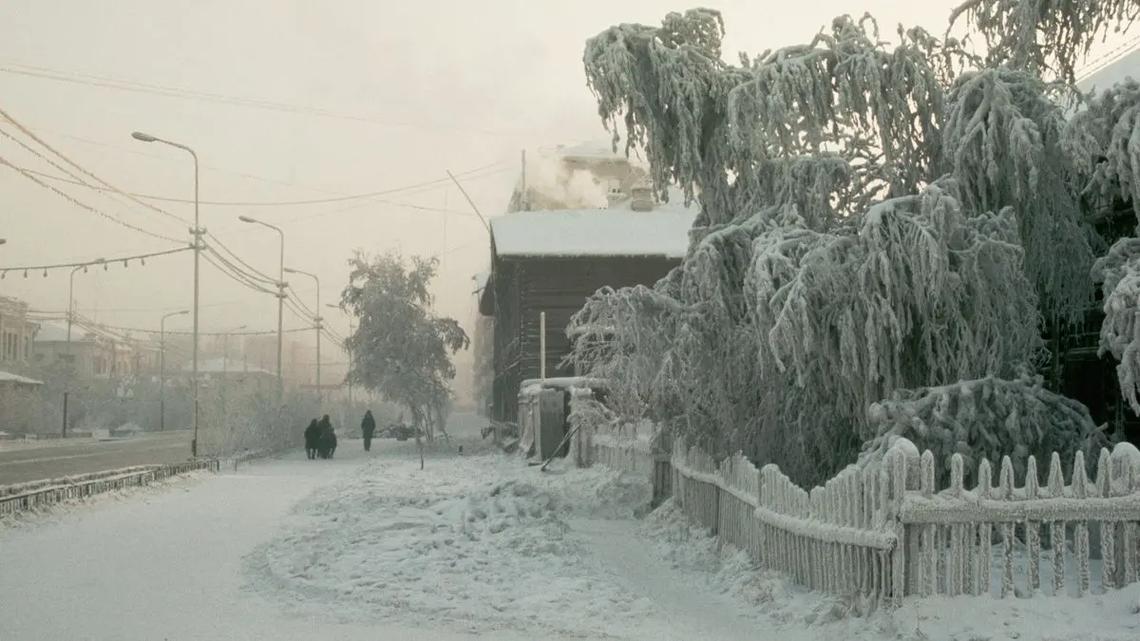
(125, 260)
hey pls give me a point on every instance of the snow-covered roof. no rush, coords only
(222, 365)
(53, 333)
(1126, 67)
(9, 377)
(664, 231)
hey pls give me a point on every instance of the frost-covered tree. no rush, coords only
(875, 217)
(401, 349)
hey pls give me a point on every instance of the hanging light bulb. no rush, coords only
(45, 273)
(125, 263)
(85, 269)
(143, 261)
(3, 274)
(104, 266)
(25, 273)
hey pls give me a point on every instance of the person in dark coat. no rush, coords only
(327, 442)
(367, 428)
(311, 434)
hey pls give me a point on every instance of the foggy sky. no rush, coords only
(429, 86)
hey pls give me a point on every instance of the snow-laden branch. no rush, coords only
(1044, 35)
(1119, 273)
(1004, 148)
(983, 419)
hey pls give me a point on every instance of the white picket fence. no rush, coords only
(885, 532)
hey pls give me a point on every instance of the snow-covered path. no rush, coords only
(167, 563)
(360, 547)
(368, 546)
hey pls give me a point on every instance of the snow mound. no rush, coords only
(688, 547)
(439, 548)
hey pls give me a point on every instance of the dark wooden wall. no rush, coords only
(525, 287)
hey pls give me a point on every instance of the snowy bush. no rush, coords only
(985, 418)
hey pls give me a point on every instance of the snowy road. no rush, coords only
(22, 461)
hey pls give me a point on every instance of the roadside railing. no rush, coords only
(38, 494)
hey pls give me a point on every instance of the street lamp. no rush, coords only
(317, 320)
(347, 350)
(280, 299)
(196, 232)
(70, 319)
(162, 368)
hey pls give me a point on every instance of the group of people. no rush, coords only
(320, 438)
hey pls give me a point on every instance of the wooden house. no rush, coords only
(550, 262)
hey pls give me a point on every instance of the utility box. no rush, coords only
(550, 428)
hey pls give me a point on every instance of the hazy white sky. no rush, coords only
(414, 88)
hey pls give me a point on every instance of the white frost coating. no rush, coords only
(818, 537)
(1044, 35)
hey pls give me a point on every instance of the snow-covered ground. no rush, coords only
(478, 545)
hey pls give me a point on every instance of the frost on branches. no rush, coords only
(876, 217)
(1044, 35)
(985, 418)
(1119, 272)
(1003, 144)
(779, 337)
(717, 130)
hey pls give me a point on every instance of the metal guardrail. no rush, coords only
(30, 496)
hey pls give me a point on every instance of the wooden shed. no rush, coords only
(551, 261)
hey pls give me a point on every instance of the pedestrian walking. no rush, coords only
(312, 432)
(327, 439)
(367, 428)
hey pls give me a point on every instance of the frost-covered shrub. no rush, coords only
(985, 418)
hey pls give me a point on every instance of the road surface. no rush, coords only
(60, 458)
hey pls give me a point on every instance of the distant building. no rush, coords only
(16, 332)
(94, 354)
(234, 375)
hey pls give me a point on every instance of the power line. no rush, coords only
(107, 186)
(285, 183)
(78, 203)
(255, 273)
(118, 259)
(310, 201)
(108, 82)
(235, 275)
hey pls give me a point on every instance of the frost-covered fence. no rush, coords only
(29, 496)
(836, 538)
(1057, 538)
(885, 531)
